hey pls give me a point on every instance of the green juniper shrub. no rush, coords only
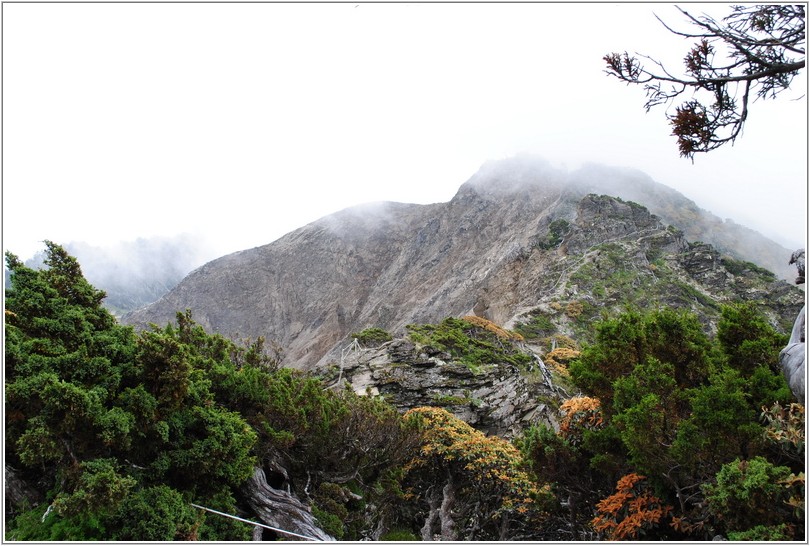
(216, 528)
(752, 496)
(157, 513)
(372, 337)
(683, 405)
(556, 231)
(537, 326)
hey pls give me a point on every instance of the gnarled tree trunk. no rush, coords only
(433, 514)
(441, 510)
(280, 509)
(446, 512)
(18, 492)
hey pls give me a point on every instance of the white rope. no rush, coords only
(47, 513)
(254, 523)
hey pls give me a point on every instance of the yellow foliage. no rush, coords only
(487, 463)
(563, 355)
(574, 309)
(492, 327)
(562, 341)
(580, 413)
(559, 358)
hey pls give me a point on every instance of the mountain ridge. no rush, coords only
(390, 264)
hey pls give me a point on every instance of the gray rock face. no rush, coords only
(797, 258)
(792, 358)
(487, 252)
(18, 493)
(675, 209)
(496, 399)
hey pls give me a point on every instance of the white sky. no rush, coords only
(245, 121)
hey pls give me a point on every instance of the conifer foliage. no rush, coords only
(666, 401)
(120, 432)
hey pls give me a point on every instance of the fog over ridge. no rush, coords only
(137, 272)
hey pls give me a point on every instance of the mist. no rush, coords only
(299, 110)
(135, 273)
(525, 172)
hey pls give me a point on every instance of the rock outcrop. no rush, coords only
(18, 493)
(496, 399)
(792, 359)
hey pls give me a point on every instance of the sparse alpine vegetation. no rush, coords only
(473, 341)
(372, 337)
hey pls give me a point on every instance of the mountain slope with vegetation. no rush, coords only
(531, 361)
(673, 433)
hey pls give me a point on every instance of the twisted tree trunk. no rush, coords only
(18, 492)
(433, 514)
(446, 512)
(441, 510)
(281, 509)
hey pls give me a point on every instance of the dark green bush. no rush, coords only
(372, 337)
(556, 231)
(751, 493)
(156, 513)
(537, 326)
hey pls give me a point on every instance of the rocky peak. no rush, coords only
(524, 174)
(517, 238)
(601, 219)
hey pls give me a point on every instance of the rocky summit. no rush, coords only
(520, 244)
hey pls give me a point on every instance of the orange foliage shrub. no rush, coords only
(630, 510)
(580, 413)
(492, 327)
(574, 309)
(559, 358)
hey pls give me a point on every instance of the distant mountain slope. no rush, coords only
(136, 273)
(518, 238)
